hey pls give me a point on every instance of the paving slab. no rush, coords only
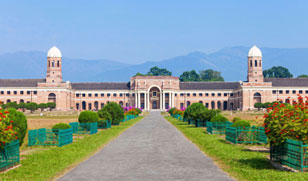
(152, 149)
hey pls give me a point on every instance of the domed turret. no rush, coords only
(254, 52)
(54, 52)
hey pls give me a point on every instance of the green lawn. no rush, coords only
(48, 164)
(239, 162)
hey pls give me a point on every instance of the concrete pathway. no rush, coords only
(151, 150)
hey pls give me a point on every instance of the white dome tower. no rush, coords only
(255, 72)
(54, 65)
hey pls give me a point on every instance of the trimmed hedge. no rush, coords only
(88, 117)
(219, 118)
(61, 126)
(19, 121)
(241, 123)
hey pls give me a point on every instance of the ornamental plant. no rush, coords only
(88, 117)
(19, 122)
(285, 121)
(8, 132)
(116, 112)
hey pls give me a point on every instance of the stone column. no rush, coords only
(170, 105)
(145, 101)
(160, 101)
(164, 101)
(139, 101)
(135, 99)
(173, 101)
(148, 99)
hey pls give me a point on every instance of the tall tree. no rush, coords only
(302, 76)
(211, 75)
(190, 76)
(277, 72)
(156, 71)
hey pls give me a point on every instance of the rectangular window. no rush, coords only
(114, 95)
(225, 94)
(306, 91)
(154, 94)
(213, 94)
(231, 94)
(194, 94)
(207, 105)
(8, 92)
(274, 92)
(121, 95)
(182, 105)
(108, 95)
(28, 92)
(21, 92)
(200, 94)
(2, 92)
(182, 94)
(127, 95)
(280, 91)
(133, 95)
(89, 95)
(207, 94)
(34, 92)
(96, 95)
(300, 91)
(188, 94)
(102, 94)
(287, 91)
(219, 94)
(15, 92)
(175, 94)
(83, 95)
(294, 91)
(77, 95)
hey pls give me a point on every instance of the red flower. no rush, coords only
(11, 121)
(6, 112)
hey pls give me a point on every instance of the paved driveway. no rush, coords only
(150, 150)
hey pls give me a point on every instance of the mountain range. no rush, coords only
(231, 62)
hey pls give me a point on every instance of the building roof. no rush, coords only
(208, 85)
(20, 82)
(254, 52)
(54, 52)
(101, 86)
(288, 82)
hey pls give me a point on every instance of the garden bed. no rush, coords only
(217, 127)
(49, 137)
(248, 135)
(9, 155)
(84, 128)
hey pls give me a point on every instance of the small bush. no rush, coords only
(258, 105)
(104, 115)
(61, 126)
(219, 118)
(19, 121)
(236, 119)
(116, 112)
(88, 117)
(171, 110)
(132, 112)
(138, 110)
(241, 123)
(102, 123)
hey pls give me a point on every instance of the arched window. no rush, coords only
(52, 97)
(256, 63)
(96, 105)
(121, 103)
(201, 102)
(212, 105)
(84, 105)
(225, 107)
(250, 63)
(257, 97)
(90, 106)
(7, 101)
(58, 63)
(187, 103)
(206, 105)
(102, 105)
(21, 101)
(218, 105)
(53, 63)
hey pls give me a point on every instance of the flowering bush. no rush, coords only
(285, 121)
(177, 111)
(8, 133)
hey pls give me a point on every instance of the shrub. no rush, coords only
(58, 126)
(8, 132)
(286, 121)
(258, 105)
(171, 110)
(11, 105)
(88, 117)
(196, 111)
(32, 106)
(116, 112)
(138, 110)
(236, 119)
(241, 123)
(132, 112)
(42, 106)
(104, 115)
(22, 106)
(19, 121)
(102, 123)
(51, 105)
(266, 105)
(219, 118)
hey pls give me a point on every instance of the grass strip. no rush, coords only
(236, 160)
(46, 165)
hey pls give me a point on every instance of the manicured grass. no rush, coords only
(46, 165)
(239, 162)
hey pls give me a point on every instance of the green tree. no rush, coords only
(22, 106)
(277, 72)
(190, 76)
(32, 106)
(302, 76)
(156, 71)
(211, 75)
(258, 105)
(139, 74)
(42, 106)
(12, 105)
(51, 105)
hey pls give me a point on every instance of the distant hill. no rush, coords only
(232, 62)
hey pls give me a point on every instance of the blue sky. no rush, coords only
(135, 31)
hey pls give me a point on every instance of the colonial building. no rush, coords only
(152, 92)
